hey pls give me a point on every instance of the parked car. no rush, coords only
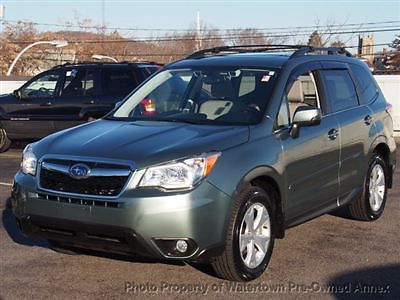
(65, 96)
(234, 148)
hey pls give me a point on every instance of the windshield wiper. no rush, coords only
(161, 119)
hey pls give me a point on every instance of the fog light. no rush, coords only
(181, 246)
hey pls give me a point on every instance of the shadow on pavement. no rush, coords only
(11, 227)
(369, 283)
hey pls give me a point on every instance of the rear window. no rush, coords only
(118, 82)
(366, 83)
(340, 89)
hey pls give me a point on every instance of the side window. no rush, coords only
(78, 83)
(118, 82)
(340, 89)
(42, 87)
(282, 120)
(366, 83)
(302, 91)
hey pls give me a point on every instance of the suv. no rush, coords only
(232, 149)
(66, 96)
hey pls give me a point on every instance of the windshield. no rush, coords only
(235, 96)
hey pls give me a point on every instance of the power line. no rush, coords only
(100, 27)
(221, 37)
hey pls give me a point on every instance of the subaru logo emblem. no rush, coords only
(79, 171)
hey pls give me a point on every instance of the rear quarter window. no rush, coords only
(341, 92)
(366, 83)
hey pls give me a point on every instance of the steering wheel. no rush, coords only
(43, 91)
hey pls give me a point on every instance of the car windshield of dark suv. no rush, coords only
(217, 96)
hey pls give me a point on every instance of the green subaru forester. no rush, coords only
(214, 157)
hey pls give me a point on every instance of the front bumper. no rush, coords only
(144, 223)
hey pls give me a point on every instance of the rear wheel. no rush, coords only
(5, 142)
(250, 237)
(370, 205)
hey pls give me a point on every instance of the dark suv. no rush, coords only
(229, 150)
(66, 96)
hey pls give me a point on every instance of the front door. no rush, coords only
(29, 116)
(312, 158)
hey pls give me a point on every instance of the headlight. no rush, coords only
(182, 174)
(29, 161)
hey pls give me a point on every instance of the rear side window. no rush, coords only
(340, 89)
(366, 83)
(118, 82)
(78, 83)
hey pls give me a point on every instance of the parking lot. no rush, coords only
(331, 256)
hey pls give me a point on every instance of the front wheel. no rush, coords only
(370, 206)
(5, 142)
(250, 237)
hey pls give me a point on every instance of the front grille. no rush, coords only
(84, 202)
(61, 181)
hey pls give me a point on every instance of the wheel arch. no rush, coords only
(380, 147)
(269, 180)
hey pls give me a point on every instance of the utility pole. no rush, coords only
(198, 33)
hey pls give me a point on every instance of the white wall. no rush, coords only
(389, 84)
(9, 86)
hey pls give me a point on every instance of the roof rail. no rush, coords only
(329, 50)
(242, 49)
(299, 50)
(106, 62)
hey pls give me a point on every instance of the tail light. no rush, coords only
(389, 108)
(148, 106)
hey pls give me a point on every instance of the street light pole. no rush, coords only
(56, 43)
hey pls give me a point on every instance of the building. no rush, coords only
(366, 48)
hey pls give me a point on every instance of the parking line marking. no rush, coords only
(5, 183)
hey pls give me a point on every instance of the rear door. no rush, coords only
(79, 95)
(312, 159)
(355, 126)
(30, 116)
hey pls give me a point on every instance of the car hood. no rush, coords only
(142, 142)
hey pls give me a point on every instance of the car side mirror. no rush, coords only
(305, 116)
(17, 94)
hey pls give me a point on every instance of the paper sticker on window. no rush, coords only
(265, 78)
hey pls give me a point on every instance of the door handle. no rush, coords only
(46, 104)
(368, 120)
(333, 134)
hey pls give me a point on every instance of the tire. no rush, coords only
(60, 248)
(233, 264)
(370, 206)
(5, 142)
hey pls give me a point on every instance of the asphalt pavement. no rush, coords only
(331, 257)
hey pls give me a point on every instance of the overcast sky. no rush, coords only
(219, 14)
